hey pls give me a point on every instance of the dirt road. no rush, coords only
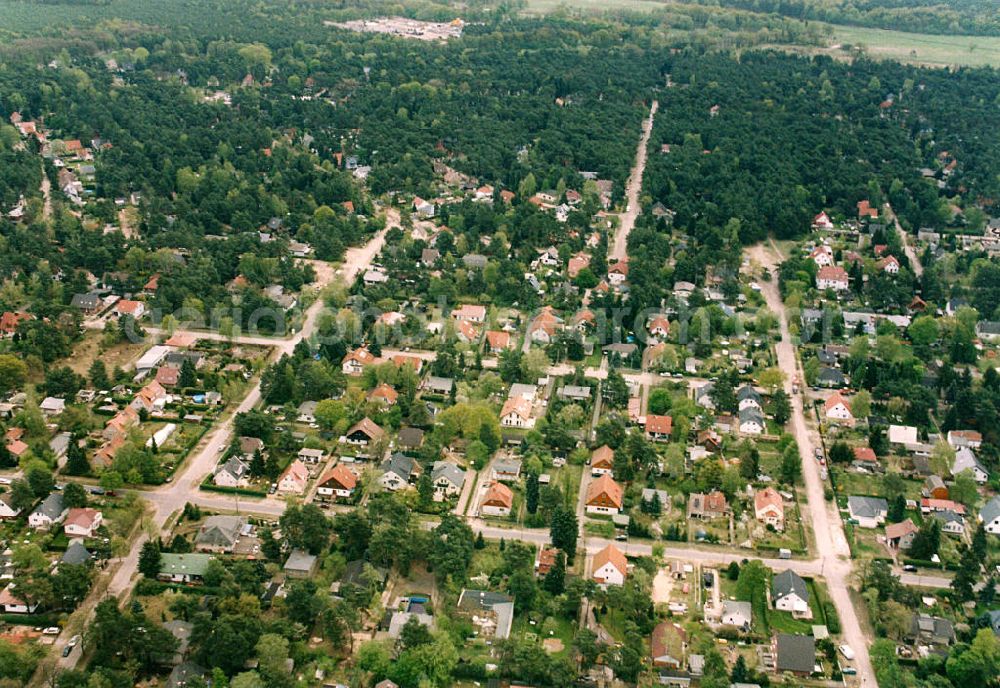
(619, 249)
(831, 544)
(904, 237)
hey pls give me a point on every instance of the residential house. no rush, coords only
(52, 406)
(836, 410)
(410, 438)
(989, 516)
(219, 533)
(869, 512)
(889, 265)
(658, 428)
(965, 438)
(383, 394)
(790, 593)
(965, 460)
(751, 422)
(507, 469)
(602, 460)
(707, 506)
(438, 385)
(151, 398)
(822, 255)
(398, 472)
(951, 522)
(311, 457)
(604, 496)
(491, 613)
(864, 457)
(516, 413)
(183, 568)
(931, 630)
(795, 654)
(667, 645)
(300, 564)
(832, 277)
(498, 500)
(498, 341)
(899, 536)
(82, 522)
(610, 567)
(469, 313)
(11, 603)
(10, 321)
(658, 326)
(737, 613)
(338, 482)
(749, 398)
(364, 432)
(294, 479)
(51, 511)
(447, 479)
(769, 508)
(574, 392)
(7, 510)
(822, 221)
(135, 309)
(235, 472)
(89, 304)
(355, 361)
(168, 376)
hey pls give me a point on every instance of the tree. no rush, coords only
(555, 579)
(977, 664)
(188, 376)
(750, 464)
(897, 509)
(272, 655)
(791, 464)
(861, 404)
(841, 452)
(531, 493)
(964, 489)
(13, 373)
(563, 531)
(303, 604)
(111, 480)
(966, 576)
(927, 540)
(98, 374)
(305, 527)
(40, 479)
(614, 390)
(76, 459)
(782, 407)
(74, 495)
(22, 497)
(150, 559)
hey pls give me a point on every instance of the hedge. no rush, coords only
(212, 487)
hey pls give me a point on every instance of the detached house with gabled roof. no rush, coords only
(51, 511)
(610, 567)
(219, 533)
(363, 433)
(602, 460)
(989, 516)
(658, 428)
(82, 522)
(498, 500)
(604, 496)
(836, 410)
(791, 594)
(769, 508)
(832, 277)
(338, 482)
(294, 479)
(399, 471)
(355, 361)
(965, 460)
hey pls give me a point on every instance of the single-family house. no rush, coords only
(965, 460)
(707, 506)
(832, 277)
(338, 482)
(795, 654)
(294, 479)
(869, 512)
(899, 536)
(737, 613)
(965, 438)
(658, 427)
(398, 472)
(790, 593)
(931, 630)
(219, 533)
(667, 645)
(235, 472)
(836, 410)
(822, 255)
(300, 564)
(602, 460)
(469, 313)
(604, 496)
(769, 508)
(11, 603)
(447, 479)
(989, 516)
(749, 398)
(610, 567)
(52, 406)
(507, 469)
(82, 522)
(498, 500)
(355, 361)
(51, 511)
(498, 341)
(751, 421)
(383, 395)
(516, 413)
(491, 613)
(311, 457)
(364, 432)
(183, 568)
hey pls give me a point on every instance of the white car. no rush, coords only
(847, 652)
(755, 286)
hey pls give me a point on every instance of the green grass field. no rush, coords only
(922, 48)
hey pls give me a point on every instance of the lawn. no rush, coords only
(922, 49)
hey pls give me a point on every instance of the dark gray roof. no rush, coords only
(788, 582)
(354, 573)
(400, 464)
(747, 392)
(86, 301)
(868, 507)
(448, 470)
(991, 510)
(52, 506)
(751, 414)
(410, 437)
(796, 653)
(76, 553)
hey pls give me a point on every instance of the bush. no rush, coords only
(212, 487)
